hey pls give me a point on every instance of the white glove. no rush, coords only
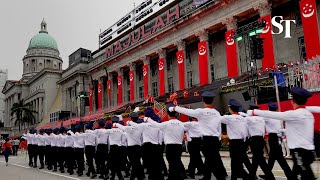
(128, 123)
(145, 119)
(243, 114)
(250, 112)
(114, 125)
(171, 109)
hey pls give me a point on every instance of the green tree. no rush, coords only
(24, 113)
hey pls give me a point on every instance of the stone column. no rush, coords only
(40, 109)
(181, 45)
(162, 54)
(37, 110)
(264, 8)
(110, 99)
(7, 111)
(203, 35)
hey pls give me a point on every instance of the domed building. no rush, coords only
(42, 68)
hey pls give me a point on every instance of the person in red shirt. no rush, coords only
(7, 149)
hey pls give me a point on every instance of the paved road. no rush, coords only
(18, 170)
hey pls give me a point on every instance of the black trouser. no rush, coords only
(114, 162)
(302, 160)
(194, 148)
(134, 154)
(257, 145)
(61, 157)
(35, 152)
(48, 156)
(79, 156)
(317, 143)
(124, 166)
(176, 168)
(277, 154)
(236, 148)
(153, 161)
(70, 157)
(41, 152)
(54, 157)
(163, 165)
(101, 158)
(30, 153)
(213, 162)
(90, 153)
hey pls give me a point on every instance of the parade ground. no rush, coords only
(18, 169)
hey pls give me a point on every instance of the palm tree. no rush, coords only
(23, 112)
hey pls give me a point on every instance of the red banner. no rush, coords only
(268, 60)
(131, 76)
(109, 91)
(145, 80)
(119, 90)
(203, 62)
(99, 96)
(90, 99)
(180, 60)
(161, 76)
(309, 17)
(232, 57)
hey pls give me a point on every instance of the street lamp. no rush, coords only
(82, 95)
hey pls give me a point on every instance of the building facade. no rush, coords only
(146, 58)
(42, 68)
(3, 79)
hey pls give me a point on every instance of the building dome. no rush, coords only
(43, 40)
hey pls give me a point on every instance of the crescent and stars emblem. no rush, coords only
(119, 82)
(202, 50)
(161, 66)
(308, 11)
(266, 29)
(131, 77)
(230, 40)
(180, 59)
(145, 72)
(109, 85)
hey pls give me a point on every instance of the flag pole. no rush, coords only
(278, 98)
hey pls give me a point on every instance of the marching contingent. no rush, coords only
(137, 146)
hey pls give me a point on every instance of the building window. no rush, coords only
(212, 72)
(170, 59)
(170, 85)
(141, 92)
(188, 55)
(155, 89)
(154, 68)
(139, 73)
(302, 49)
(210, 49)
(189, 78)
(128, 95)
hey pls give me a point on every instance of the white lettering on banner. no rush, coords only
(280, 26)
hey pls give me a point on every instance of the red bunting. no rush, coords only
(99, 96)
(180, 60)
(119, 90)
(161, 76)
(109, 91)
(203, 62)
(145, 80)
(90, 99)
(131, 76)
(232, 57)
(268, 59)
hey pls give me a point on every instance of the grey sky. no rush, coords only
(73, 24)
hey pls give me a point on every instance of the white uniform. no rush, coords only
(256, 126)
(193, 130)
(90, 138)
(78, 140)
(134, 134)
(124, 139)
(42, 140)
(208, 118)
(299, 126)
(150, 134)
(236, 126)
(69, 142)
(115, 136)
(102, 135)
(272, 125)
(173, 130)
(54, 140)
(61, 140)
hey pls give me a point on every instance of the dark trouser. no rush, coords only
(257, 145)
(41, 152)
(6, 154)
(302, 160)
(90, 152)
(152, 162)
(237, 159)
(61, 157)
(114, 162)
(124, 166)
(163, 165)
(176, 168)
(30, 153)
(48, 156)
(134, 154)
(101, 158)
(317, 143)
(194, 148)
(70, 158)
(54, 157)
(276, 154)
(213, 162)
(79, 156)
(35, 152)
